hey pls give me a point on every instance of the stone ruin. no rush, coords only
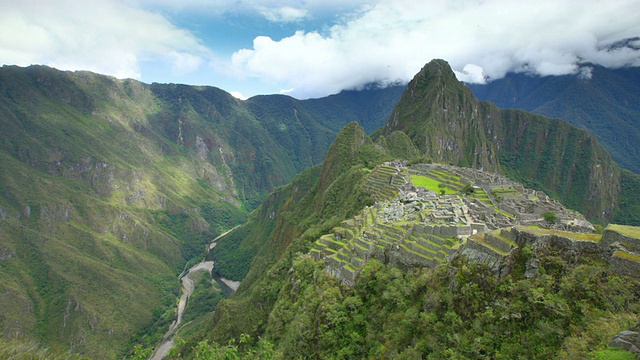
(411, 226)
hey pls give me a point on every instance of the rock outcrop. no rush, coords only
(627, 340)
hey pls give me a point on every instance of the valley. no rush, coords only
(405, 232)
(428, 245)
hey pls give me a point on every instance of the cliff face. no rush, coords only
(449, 125)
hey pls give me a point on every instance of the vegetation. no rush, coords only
(431, 184)
(206, 295)
(628, 211)
(244, 348)
(458, 310)
(550, 217)
(606, 104)
(536, 151)
(110, 186)
(28, 350)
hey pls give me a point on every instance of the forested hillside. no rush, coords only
(545, 294)
(606, 102)
(108, 187)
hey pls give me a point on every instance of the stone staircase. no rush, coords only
(408, 227)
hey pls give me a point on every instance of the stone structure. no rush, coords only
(411, 226)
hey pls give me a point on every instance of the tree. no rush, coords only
(550, 217)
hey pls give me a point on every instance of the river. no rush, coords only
(188, 279)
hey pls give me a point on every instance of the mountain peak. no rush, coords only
(343, 153)
(450, 126)
(440, 115)
(436, 68)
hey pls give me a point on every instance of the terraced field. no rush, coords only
(364, 237)
(424, 213)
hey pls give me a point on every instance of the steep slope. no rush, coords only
(287, 223)
(604, 101)
(342, 169)
(99, 208)
(107, 187)
(448, 125)
(370, 107)
(306, 128)
(337, 277)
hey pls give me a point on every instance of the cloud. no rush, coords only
(104, 36)
(391, 40)
(238, 95)
(184, 63)
(273, 10)
(585, 72)
(283, 14)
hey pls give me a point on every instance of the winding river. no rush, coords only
(188, 279)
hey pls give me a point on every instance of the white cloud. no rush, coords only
(585, 72)
(283, 14)
(184, 63)
(238, 95)
(472, 73)
(392, 39)
(99, 35)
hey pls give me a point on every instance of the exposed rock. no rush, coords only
(622, 244)
(26, 212)
(6, 253)
(627, 340)
(531, 268)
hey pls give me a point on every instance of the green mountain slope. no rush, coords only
(393, 307)
(606, 103)
(449, 125)
(108, 187)
(99, 209)
(352, 261)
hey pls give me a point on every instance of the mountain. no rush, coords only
(390, 249)
(108, 187)
(606, 102)
(367, 256)
(448, 125)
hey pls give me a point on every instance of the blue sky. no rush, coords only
(314, 48)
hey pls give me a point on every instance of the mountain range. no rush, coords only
(335, 270)
(606, 102)
(109, 187)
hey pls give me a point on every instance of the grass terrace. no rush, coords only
(431, 184)
(505, 192)
(631, 231)
(566, 234)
